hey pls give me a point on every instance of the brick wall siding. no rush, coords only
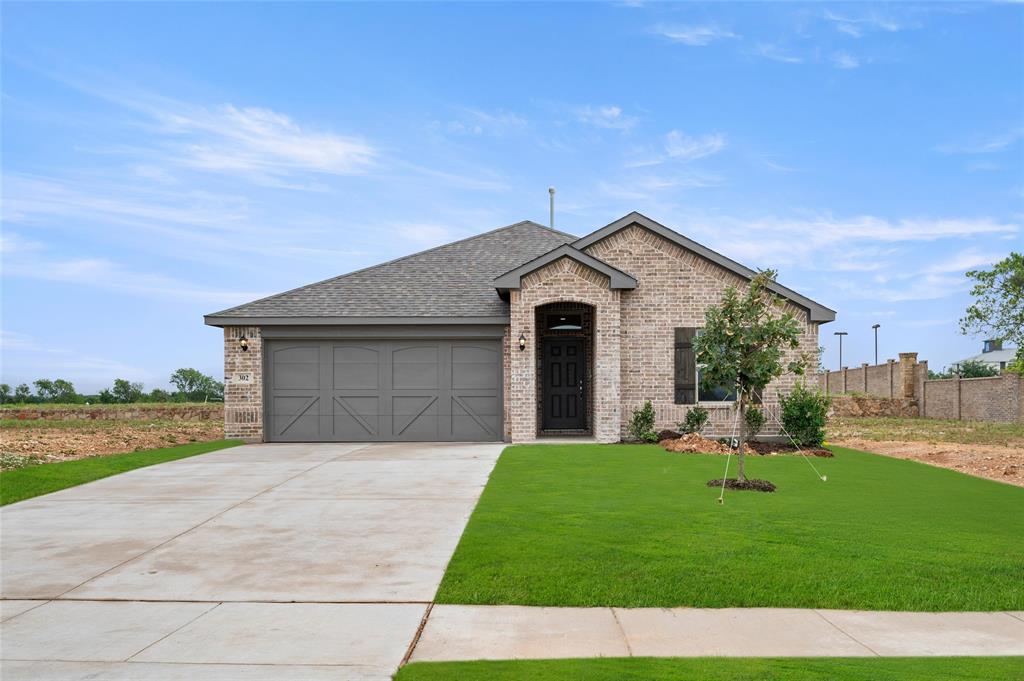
(565, 281)
(674, 288)
(243, 402)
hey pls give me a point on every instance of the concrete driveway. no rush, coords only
(304, 561)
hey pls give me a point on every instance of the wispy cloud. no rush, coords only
(424, 235)
(28, 358)
(963, 261)
(983, 144)
(857, 26)
(106, 274)
(259, 140)
(694, 35)
(776, 53)
(845, 60)
(683, 147)
(479, 122)
(649, 187)
(610, 117)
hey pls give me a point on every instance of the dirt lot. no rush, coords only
(987, 450)
(49, 441)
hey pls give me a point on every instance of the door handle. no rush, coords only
(581, 386)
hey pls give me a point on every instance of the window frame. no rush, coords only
(697, 365)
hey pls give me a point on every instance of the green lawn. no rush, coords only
(25, 483)
(723, 669)
(633, 526)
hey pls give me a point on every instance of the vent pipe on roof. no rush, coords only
(551, 192)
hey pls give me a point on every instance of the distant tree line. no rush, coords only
(191, 385)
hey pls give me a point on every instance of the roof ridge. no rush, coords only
(391, 262)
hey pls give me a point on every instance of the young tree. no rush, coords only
(126, 391)
(998, 307)
(5, 393)
(743, 342)
(22, 393)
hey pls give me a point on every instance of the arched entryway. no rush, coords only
(565, 368)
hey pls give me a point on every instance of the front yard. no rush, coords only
(989, 450)
(635, 526)
(48, 441)
(36, 479)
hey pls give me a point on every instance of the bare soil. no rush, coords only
(1004, 463)
(64, 441)
(692, 443)
(751, 484)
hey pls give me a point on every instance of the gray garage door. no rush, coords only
(370, 390)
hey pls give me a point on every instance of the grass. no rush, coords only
(25, 483)
(723, 669)
(89, 424)
(99, 405)
(926, 430)
(634, 526)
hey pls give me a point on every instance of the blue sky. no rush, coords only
(161, 161)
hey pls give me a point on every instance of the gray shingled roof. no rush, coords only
(455, 280)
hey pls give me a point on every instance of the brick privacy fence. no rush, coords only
(128, 412)
(905, 384)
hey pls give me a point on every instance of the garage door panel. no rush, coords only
(473, 367)
(356, 367)
(415, 417)
(356, 417)
(415, 367)
(296, 417)
(380, 390)
(297, 368)
(474, 417)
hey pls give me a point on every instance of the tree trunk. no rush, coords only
(740, 473)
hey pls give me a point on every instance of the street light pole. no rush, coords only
(875, 327)
(840, 334)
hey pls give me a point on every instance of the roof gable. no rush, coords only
(817, 311)
(513, 278)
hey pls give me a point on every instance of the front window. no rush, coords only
(717, 393)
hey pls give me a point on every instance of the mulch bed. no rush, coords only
(693, 443)
(752, 485)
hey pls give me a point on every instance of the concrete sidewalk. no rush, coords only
(464, 632)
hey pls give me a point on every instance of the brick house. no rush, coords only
(510, 335)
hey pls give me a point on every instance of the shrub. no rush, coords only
(695, 419)
(804, 413)
(755, 421)
(641, 425)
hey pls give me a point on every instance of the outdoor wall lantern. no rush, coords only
(243, 343)
(522, 342)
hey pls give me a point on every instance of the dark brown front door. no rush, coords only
(562, 390)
